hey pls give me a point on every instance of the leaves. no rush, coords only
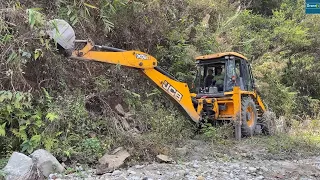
(38, 53)
(36, 139)
(35, 18)
(27, 146)
(107, 23)
(26, 54)
(12, 56)
(9, 95)
(3, 129)
(82, 10)
(30, 145)
(49, 143)
(90, 6)
(6, 38)
(25, 120)
(52, 116)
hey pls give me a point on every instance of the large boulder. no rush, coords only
(164, 158)
(125, 124)
(120, 110)
(46, 162)
(19, 167)
(110, 162)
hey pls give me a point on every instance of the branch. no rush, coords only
(10, 24)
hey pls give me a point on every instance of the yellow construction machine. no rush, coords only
(224, 85)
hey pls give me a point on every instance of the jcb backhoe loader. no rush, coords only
(227, 93)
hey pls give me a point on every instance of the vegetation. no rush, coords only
(301, 141)
(67, 107)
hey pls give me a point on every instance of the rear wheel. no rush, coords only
(248, 116)
(268, 123)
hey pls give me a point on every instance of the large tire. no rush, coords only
(268, 123)
(248, 116)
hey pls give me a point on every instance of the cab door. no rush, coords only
(248, 77)
(252, 82)
(236, 74)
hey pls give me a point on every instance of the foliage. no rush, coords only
(3, 162)
(133, 100)
(2, 174)
(35, 18)
(291, 145)
(24, 123)
(91, 148)
(77, 11)
(31, 123)
(259, 7)
(166, 125)
(282, 52)
(220, 134)
(303, 138)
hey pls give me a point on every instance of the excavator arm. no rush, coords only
(177, 91)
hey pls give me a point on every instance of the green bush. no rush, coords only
(221, 134)
(25, 122)
(166, 126)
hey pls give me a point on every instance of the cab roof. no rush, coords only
(219, 55)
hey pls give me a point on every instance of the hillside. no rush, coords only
(71, 108)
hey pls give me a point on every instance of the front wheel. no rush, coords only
(248, 116)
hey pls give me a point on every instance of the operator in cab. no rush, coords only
(218, 79)
(209, 78)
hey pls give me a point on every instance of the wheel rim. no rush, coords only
(250, 116)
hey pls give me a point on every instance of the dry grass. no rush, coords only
(300, 140)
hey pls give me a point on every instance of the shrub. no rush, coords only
(26, 122)
(221, 134)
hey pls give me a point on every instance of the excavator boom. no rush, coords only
(177, 91)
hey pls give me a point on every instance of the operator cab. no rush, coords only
(219, 73)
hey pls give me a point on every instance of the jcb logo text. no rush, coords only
(172, 91)
(142, 56)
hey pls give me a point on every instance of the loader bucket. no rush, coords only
(62, 33)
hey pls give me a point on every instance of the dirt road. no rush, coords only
(198, 160)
